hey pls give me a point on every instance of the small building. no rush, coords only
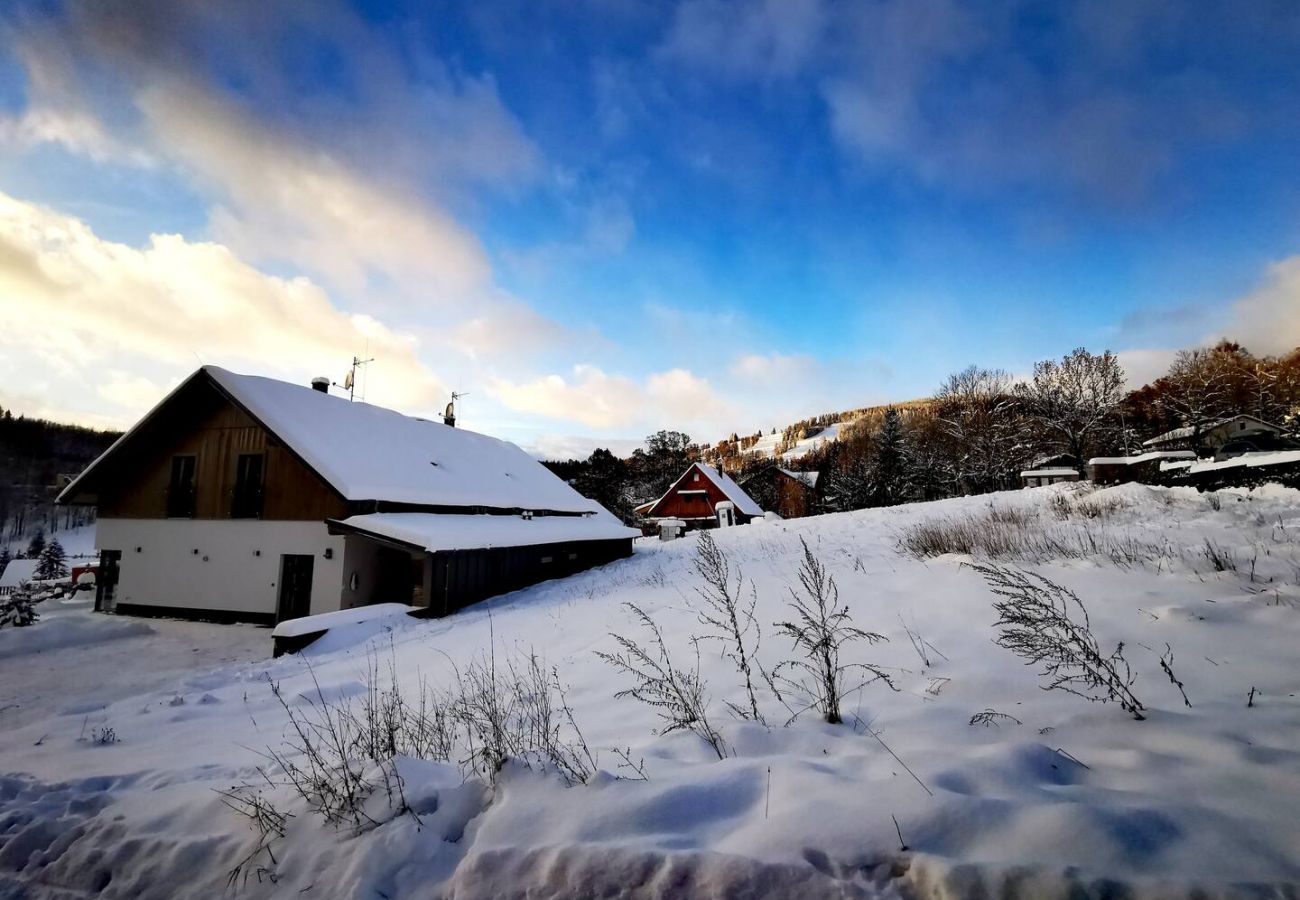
(1047, 475)
(1144, 468)
(1214, 435)
(16, 574)
(703, 497)
(241, 498)
(790, 494)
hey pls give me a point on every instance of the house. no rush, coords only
(1046, 475)
(703, 497)
(1144, 468)
(1214, 435)
(790, 494)
(250, 499)
(16, 574)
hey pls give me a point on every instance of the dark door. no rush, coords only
(106, 580)
(295, 586)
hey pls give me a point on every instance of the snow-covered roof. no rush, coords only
(1248, 460)
(808, 478)
(1187, 431)
(1142, 458)
(367, 452)
(18, 571)
(1048, 473)
(435, 532)
(304, 625)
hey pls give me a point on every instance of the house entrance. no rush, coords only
(295, 586)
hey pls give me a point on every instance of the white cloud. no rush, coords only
(674, 398)
(71, 297)
(774, 368)
(758, 38)
(1267, 321)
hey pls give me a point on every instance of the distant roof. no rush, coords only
(1141, 458)
(18, 571)
(1048, 473)
(435, 531)
(367, 452)
(808, 478)
(1187, 431)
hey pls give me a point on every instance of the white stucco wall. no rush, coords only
(236, 568)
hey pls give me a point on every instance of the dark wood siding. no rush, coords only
(203, 422)
(462, 577)
(690, 505)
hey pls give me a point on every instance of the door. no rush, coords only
(295, 586)
(106, 580)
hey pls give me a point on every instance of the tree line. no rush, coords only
(981, 428)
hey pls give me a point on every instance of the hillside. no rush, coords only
(968, 779)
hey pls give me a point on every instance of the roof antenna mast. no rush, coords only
(350, 380)
(449, 414)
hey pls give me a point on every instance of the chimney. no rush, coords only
(320, 383)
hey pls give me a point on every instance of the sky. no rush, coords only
(599, 218)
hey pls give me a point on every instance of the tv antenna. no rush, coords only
(449, 414)
(350, 380)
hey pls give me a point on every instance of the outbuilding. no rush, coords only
(703, 497)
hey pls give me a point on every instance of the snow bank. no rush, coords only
(338, 619)
(52, 632)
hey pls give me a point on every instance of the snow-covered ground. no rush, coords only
(1068, 798)
(768, 443)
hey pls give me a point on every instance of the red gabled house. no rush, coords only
(703, 497)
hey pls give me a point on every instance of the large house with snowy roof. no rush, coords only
(249, 499)
(703, 497)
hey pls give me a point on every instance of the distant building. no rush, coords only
(790, 494)
(245, 498)
(703, 497)
(1145, 468)
(1214, 435)
(1047, 475)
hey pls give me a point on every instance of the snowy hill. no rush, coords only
(969, 779)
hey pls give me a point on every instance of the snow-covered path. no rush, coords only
(1062, 795)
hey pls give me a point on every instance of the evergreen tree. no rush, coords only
(5, 558)
(37, 544)
(52, 563)
(889, 481)
(17, 610)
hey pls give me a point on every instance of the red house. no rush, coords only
(703, 497)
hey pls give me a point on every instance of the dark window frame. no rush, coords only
(182, 499)
(246, 498)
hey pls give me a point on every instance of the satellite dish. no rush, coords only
(347, 380)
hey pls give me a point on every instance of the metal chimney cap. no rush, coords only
(321, 383)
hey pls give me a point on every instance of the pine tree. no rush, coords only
(18, 610)
(5, 558)
(889, 480)
(52, 562)
(37, 544)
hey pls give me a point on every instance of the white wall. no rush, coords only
(237, 566)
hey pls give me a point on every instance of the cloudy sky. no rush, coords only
(604, 217)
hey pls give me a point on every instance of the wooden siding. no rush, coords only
(205, 423)
(692, 505)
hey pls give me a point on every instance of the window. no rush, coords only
(695, 477)
(246, 501)
(180, 488)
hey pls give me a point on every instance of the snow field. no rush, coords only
(1078, 798)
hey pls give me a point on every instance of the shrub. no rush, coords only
(679, 697)
(1037, 621)
(820, 629)
(18, 610)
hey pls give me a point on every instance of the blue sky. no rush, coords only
(601, 218)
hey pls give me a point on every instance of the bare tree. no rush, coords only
(1070, 402)
(1200, 387)
(977, 413)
